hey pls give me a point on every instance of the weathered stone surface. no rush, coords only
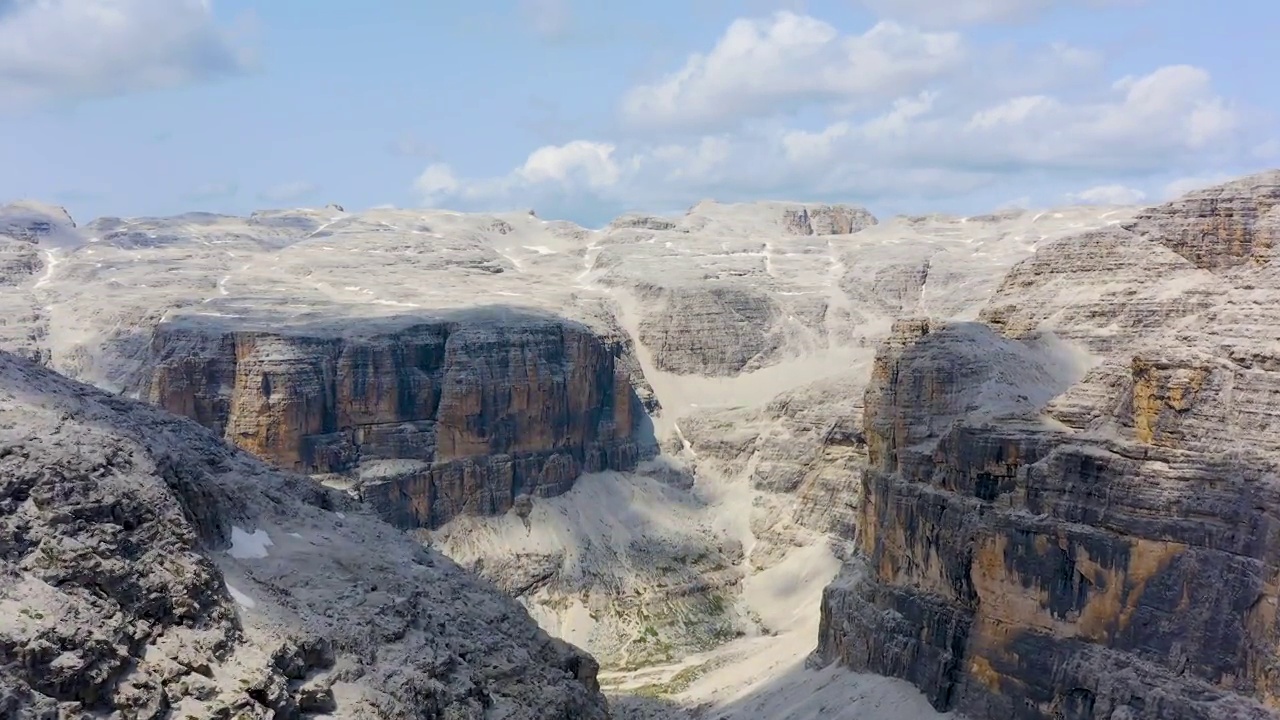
(726, 305)
(827, 220)
(428, 419)
(690, 329)
(1226, 226)
(128, 588)
(1078, 520)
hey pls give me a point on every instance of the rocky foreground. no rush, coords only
(147, 570)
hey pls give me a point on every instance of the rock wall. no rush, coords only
(128, 589)
(1053, 535)
(428, 419)
(1023, 568)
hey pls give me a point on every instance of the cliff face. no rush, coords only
(148, 570)
(429, 419)
(1055, 535)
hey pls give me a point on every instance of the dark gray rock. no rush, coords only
(128, 587)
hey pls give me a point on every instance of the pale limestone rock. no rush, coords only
(1074, 520)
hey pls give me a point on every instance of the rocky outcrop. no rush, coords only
(428, 418)
(24, 228)
(1078, 521)
(147, 570)
(803, 450)
(1220, 227)
(827, 220)
(714, 331)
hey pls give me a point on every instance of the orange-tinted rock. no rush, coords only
(428, 419)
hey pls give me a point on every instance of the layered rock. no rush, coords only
(802, 453)
(27, 229)
(1084, 529)
(827, 220)
(147, 570)
(429, 418)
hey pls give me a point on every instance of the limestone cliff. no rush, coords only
(1080, 521)
(149, 571)
(428, 418)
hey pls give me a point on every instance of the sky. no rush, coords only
(583, 110)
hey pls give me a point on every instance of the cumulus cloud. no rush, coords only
(1144, 125)
(762, 66)
(436, 182)
(950, 13)
(580, 167)
(1049, 119)
(66, 50)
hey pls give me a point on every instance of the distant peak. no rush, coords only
(39, 223)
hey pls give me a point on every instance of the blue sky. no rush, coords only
(585, 109)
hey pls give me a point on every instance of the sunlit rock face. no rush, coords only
(426, 419)
(1077, 519)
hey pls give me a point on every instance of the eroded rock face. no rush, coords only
(827, 220)
(147, 570)
(1083, 529)
(1220, 227)
(428, 419)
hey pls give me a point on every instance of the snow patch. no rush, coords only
(249, 546)
(241, 599)
(51, 260)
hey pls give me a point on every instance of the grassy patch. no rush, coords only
(677, 684)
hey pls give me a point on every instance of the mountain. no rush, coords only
(665, 437)
(1087, 539)
(151, 571)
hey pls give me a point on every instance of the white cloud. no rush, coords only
(1144, 123)
(289, 191)
(951, 13)
(763, 66)
(1108, 195)
(575, 168)
(437, 181)
(1040, 124)
(918, 146)
(66, 50)
(581, 161)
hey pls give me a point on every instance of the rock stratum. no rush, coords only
(147, 570)
(428, 419)
(1088, 539)
(1030, 455)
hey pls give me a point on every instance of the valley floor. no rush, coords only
(622, 555)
